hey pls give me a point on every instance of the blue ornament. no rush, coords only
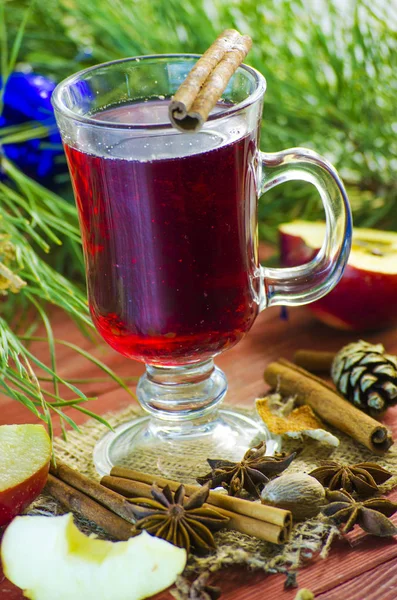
(27, 98)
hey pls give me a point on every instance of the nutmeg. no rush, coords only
(300, 493)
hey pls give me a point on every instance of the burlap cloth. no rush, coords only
(309, 539)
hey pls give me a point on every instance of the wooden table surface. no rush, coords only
(358, 568)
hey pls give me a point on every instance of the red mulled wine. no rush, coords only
(168, 223)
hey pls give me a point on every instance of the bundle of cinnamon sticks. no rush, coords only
(252, 518)
(107, 505)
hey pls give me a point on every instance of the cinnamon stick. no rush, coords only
(116, 503)
(292, 380)
(78, 502)
(314, 360)
(103, 504)
(250, 526)
(206, 82)
(271, 514)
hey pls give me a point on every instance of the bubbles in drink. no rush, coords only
(146, 145)
(168, 225)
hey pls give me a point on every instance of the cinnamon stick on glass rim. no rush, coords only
(208, 79)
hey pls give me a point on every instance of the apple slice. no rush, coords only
(25, 453)
(49, 558)
(365, 297)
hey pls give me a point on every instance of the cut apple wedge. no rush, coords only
(49, 558)
(25, 453)
(365, 297)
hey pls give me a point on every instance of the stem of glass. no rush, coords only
(181, 393)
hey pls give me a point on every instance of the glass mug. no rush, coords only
(169, 229)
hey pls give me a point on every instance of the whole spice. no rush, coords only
(116, 503)
(371, 515)
(366, 376)
(362, 478)
(291, 580)
(301, 494)
(250, 474)
(98, 503)
(78, 502)
(183, 522)
(199, 589)
(206, 82)
(291, 380)
(251, 518)
(129, 478)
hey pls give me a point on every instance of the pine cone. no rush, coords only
(366, 376)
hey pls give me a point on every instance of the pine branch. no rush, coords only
(330, 72)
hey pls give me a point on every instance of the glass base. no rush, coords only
(178, 450)
(185, 427)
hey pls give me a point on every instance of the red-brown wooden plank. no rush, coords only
(379, 583)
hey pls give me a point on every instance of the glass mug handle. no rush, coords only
(294, 286)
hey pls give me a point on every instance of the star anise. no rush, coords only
(183, 522)
(371, 515)
(251, 474)
(362, 478)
